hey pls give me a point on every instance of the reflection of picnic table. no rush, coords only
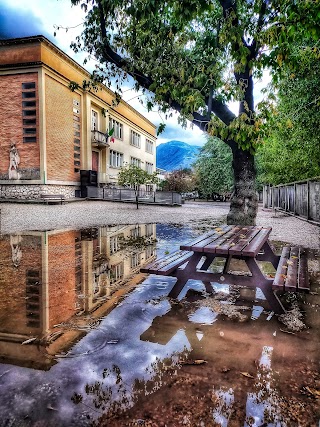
(249, 244)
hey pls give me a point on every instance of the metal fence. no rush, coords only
(301, 198)
(128, 195)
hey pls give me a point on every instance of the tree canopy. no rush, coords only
(135, 177)
(214, 168)
(292, 152)
(196, 56)
(182, 181)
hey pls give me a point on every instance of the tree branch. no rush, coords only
(220, 109)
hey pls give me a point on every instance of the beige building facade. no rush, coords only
(54, 140)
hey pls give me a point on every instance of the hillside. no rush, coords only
(175, 155)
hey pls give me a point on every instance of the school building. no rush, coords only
(54, 140)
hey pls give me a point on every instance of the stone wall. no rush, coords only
(33, 192)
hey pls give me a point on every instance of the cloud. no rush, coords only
(20, 23)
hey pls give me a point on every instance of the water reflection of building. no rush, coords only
(51, 280)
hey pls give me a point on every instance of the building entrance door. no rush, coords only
(95, 161)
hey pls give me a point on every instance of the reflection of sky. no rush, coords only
(170, 237)
(116, 342)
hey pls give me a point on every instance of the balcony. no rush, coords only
(98, 139)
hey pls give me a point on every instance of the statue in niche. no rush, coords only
(15, 243)
(14, 162)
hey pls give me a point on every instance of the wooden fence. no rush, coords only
(301, 198)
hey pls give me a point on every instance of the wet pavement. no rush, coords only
(87, 340)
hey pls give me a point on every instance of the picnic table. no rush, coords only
(247, 243)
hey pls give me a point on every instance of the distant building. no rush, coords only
(53, 140)
(161, 175)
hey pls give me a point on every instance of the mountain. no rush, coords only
(175, 155)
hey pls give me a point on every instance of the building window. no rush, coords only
(135, 260)
(28, 95)
(149, 188)
(116, 272)
(149, 230)
(135, 232)
(117, 128)
(27, 122)
(29, 112)
(150, 251)
(136, 162)
(115, 243)
(149, 167)
(28, 103)
(76, 135)
(149, 146)
(116, 159)
(135, 139)
(94, 120)
(29, 85)
(29, 139)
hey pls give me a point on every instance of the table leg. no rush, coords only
(266, 286)
(269, 255)
(183, 275)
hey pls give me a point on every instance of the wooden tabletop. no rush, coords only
(231, 240)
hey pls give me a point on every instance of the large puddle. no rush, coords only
(87, 340)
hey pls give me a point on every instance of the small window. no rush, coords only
(76, 133)
(149, 167)
(29, 85)
(76, 111)
(116, 159)
(76, 141)
(29, 139)
(136, 162)
(117, 128)
(76, 103)
(28, 94)
(29, 112)
(76, 163)
(76, 156)
(29, 130)
(27, 122)
(135, 260)
(28, 104)
(149, 146)
(135, 139)
(76, 148)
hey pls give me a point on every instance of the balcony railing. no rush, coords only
(99, 139)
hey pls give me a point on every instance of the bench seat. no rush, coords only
(54, 198)
(292, 271)
(165, 266)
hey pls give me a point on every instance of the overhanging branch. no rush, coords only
(215, 106)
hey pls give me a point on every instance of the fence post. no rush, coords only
(308, 202)
(154, 197)
(294, 199)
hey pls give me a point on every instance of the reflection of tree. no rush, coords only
(112, 396)
(136, 243)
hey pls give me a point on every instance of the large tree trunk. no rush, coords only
(244, 200)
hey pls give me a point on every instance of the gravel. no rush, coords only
(17, 217)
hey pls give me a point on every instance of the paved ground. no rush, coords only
(18, 217)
